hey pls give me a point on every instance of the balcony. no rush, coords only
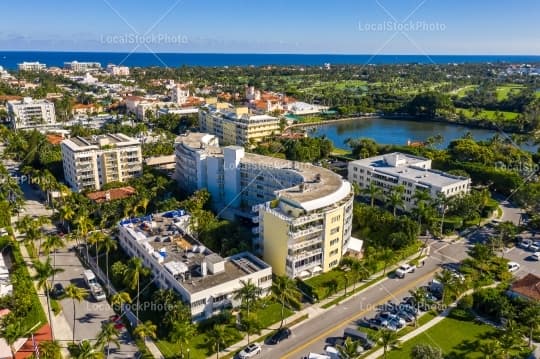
(306, 254)
(304, 244)
(305, 232)
(306, 219)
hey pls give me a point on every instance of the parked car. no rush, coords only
(377, 323)
(513, 266)
(392, 319)
(535, 256)
(359, 336)
(404, 269)
(405, 314)
(117, 321)
(57, 291)
(534, 247)
(279, 336)
(250, 351)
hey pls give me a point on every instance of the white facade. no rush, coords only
(205, 281)
(90, 163)
(29, 113)
(31, 66)
(179, 94)
(118, 70)
(412, 172)
(77, 66)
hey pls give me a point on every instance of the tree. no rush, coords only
(218, 337)
(135, 270)
(419, 296)
(286, 293)
(108, 245)
(247, 294)
(11, 332)
(85, 350)
(75, 294)
(451, 284)
(44, 271)
(250, 324)
(96, 239)
(84, 226)
(388, 339)
(426, 351)
(52, 244)
(373, 191)
(509, 338)
(66, 213)
(145, 330)
(119, 299)
(349, 349)
(395, 198)
(108, 334)
(50, 349)
(490, 349)
(182, 333)
(530, 319)
(386, 256)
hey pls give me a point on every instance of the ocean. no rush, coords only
(10, 59)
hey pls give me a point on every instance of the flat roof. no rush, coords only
(163, 236)
(98, 142)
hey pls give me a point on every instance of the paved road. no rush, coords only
(311, 336)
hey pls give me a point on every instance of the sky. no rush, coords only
(277, 26)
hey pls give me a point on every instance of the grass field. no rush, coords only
(458, 338)
(488, 114)
(461, 92)
(505, 90)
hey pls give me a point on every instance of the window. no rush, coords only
(333, 252)
(333, 242)
(198, 303)
(334, 230)
(335, 219)
(333, 263)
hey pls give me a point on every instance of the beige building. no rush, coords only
(236, 126)
(90, 163)
(29, 113)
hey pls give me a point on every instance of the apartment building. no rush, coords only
(31, 66)
(236, 126)
(303, 212)
(77, 66)
(179, 94)
(205, 281)
(28, 113)
(90, 163)
(412, 172)
(118, 70)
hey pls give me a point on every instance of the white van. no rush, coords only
(94, 286)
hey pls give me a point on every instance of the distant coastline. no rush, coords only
(9, 59)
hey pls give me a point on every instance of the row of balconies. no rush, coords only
(305, 232)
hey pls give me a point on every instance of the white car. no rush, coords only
(513, 266)
(535, 256)
(250, 351)
(404, 269)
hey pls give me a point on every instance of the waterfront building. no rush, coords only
(302, 212)
(28, 113)
(118, 70)
(236, 126)
(205, 281)
(412, 172)
(31, 66)
(90, 163)
(77, 66)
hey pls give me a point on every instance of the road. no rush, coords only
(311, 335)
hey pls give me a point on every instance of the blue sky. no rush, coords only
(348, 26)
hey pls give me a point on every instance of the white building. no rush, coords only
(90, 163)
(5, 75)
(29, 113)
(179, 94)
(77, 66)
(177, 111)
(31, 66)
(118, 70)
(412, 172)
(303, 212)
(205, 281)
(303, 108)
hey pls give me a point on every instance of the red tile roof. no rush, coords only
(115, 193)
(54, 139)
(41, 335)
(528, 286)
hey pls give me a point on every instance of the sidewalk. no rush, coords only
(313, 311)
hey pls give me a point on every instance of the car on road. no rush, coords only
(513, 266)
(525, 243)
(535, 256)
(57, 291)
(117, 320)
(534, 247)
(250, 351)
(279, 336)
(404, 269)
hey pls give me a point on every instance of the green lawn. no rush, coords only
(505, 90)
(197, 348)
(271, 314)
(488, 114)
(463, 91)
(456, 337)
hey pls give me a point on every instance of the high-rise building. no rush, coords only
(31, 66)
(236, 126)
(77, 66)
(28, 113)
(303, 212)
(90, 163)
(179, 94)
(118, 70)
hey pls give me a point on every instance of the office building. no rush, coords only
(90, 163)
(28, 113)
(412, 172)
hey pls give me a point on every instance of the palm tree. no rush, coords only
(44, 271)
(143, 203)
(11, 333)
(182, 333)
(119, 299)
(395, 198)
(108, 245)
(218, 337)
(373, 191)
(108, 334)
(135, 270)
(66, 213)
(50, 349)
(145, 330)
(96, 238)
(247, 294)
(509, 341)
(388, 338)
(52, 244)
(450, 283)
(419, 296)
(530, 319)
(75, 294)
(490, 349)
(85, 350)
(285, 291)
(349, 349)
(84, 226)
(386, 256)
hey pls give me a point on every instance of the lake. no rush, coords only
(398, 132)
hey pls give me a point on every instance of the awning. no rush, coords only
(316, 269)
